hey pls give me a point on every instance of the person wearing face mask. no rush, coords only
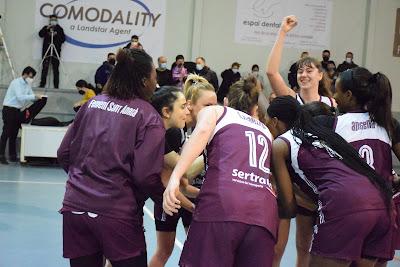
(330, 77)
(326, 54)
(55, 30)
(179, 72)
(164, 75)
(347, 64)
(104, 72)
(204, 71)
(255, 71)
(229, 77)
(134, 40)
(18, 96)
(86, 90)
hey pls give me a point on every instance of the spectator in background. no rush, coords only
(104, 72)
(255, 71)
(19, 95)
(179, 72)
(86, 90)
(134, 39)
(329, 78)
(229, 77)
(204, 71)
(164, 75)
(292, 75)
(347, 64)
(55, 30)
(326, 54)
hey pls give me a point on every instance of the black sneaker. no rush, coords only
(3, 160)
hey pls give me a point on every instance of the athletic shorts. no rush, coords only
(216, 244)
(117, 239)
(364, 234)
(169, 223)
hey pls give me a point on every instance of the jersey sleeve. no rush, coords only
(173, 141)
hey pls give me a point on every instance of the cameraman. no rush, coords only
(58, 39)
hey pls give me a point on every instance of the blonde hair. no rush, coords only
(194, 84)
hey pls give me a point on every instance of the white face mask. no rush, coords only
(255, 72)
(349, 59)
(199, 66)
(163, 65)
(235, 70)
(29, 81)
(53, 22)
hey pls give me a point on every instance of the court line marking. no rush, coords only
(145, 209)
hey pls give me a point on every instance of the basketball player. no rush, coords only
(113, 154)
(354, 202)
(235, 220)
(199, 93)
(309, 77)
(309, 72)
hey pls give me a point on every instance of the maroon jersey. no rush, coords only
(370, 140)
(237, 184)
(338, 189)
(113, 153)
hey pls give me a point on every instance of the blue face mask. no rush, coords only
(163, 65)
(199, 66)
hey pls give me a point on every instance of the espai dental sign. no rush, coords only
(104, 24)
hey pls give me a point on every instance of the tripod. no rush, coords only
(4, 46)
(51, 52)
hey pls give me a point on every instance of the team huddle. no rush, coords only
(237, 172)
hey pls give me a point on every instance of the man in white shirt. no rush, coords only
(15, 111)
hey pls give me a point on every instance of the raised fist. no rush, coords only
(288, 23)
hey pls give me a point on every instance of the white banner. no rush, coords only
(258, 22)
(93, 28)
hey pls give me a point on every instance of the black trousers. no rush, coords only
(12, 119)
(54, 64)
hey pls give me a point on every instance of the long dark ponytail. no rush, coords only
(372, 92)
(309, 131)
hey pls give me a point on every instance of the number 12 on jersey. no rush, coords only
(262, 141)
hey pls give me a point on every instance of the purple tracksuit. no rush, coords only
(113, 154)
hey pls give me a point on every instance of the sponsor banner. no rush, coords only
(258, 22)
(93, 28)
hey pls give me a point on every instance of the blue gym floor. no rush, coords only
(30, 226)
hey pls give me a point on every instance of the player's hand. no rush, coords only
(171, 204)
(288, 23)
